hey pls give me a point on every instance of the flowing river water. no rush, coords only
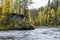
(36, 34)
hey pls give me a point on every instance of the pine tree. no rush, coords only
(55, 2)
(58, 13)
(26, 3)
(48, 12)
(44, 16)
(16, 5)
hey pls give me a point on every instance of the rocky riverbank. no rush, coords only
(14, 22)
(18, 26)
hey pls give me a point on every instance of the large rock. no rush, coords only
(15, 22)
(24, 26)
(15, 16)
(21, 24)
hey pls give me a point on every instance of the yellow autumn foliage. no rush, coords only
(22, 11)
(16, 6)
(44, 16)
(40, 17)
(29, 16)
(52, 13)
(8, 4)
(3, 7)
(32, 21)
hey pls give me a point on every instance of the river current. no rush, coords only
(36, 34)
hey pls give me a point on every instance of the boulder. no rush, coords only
(26, 26)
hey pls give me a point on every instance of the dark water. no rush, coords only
(37, 34)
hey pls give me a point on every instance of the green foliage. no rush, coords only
(6, 22)
(58, 13)
(25, 24)
(44, 16)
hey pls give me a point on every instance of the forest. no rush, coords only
(44, 16)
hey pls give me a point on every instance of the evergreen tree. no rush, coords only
(16, 6)
(48, 12)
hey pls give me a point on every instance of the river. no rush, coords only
(36, 34)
